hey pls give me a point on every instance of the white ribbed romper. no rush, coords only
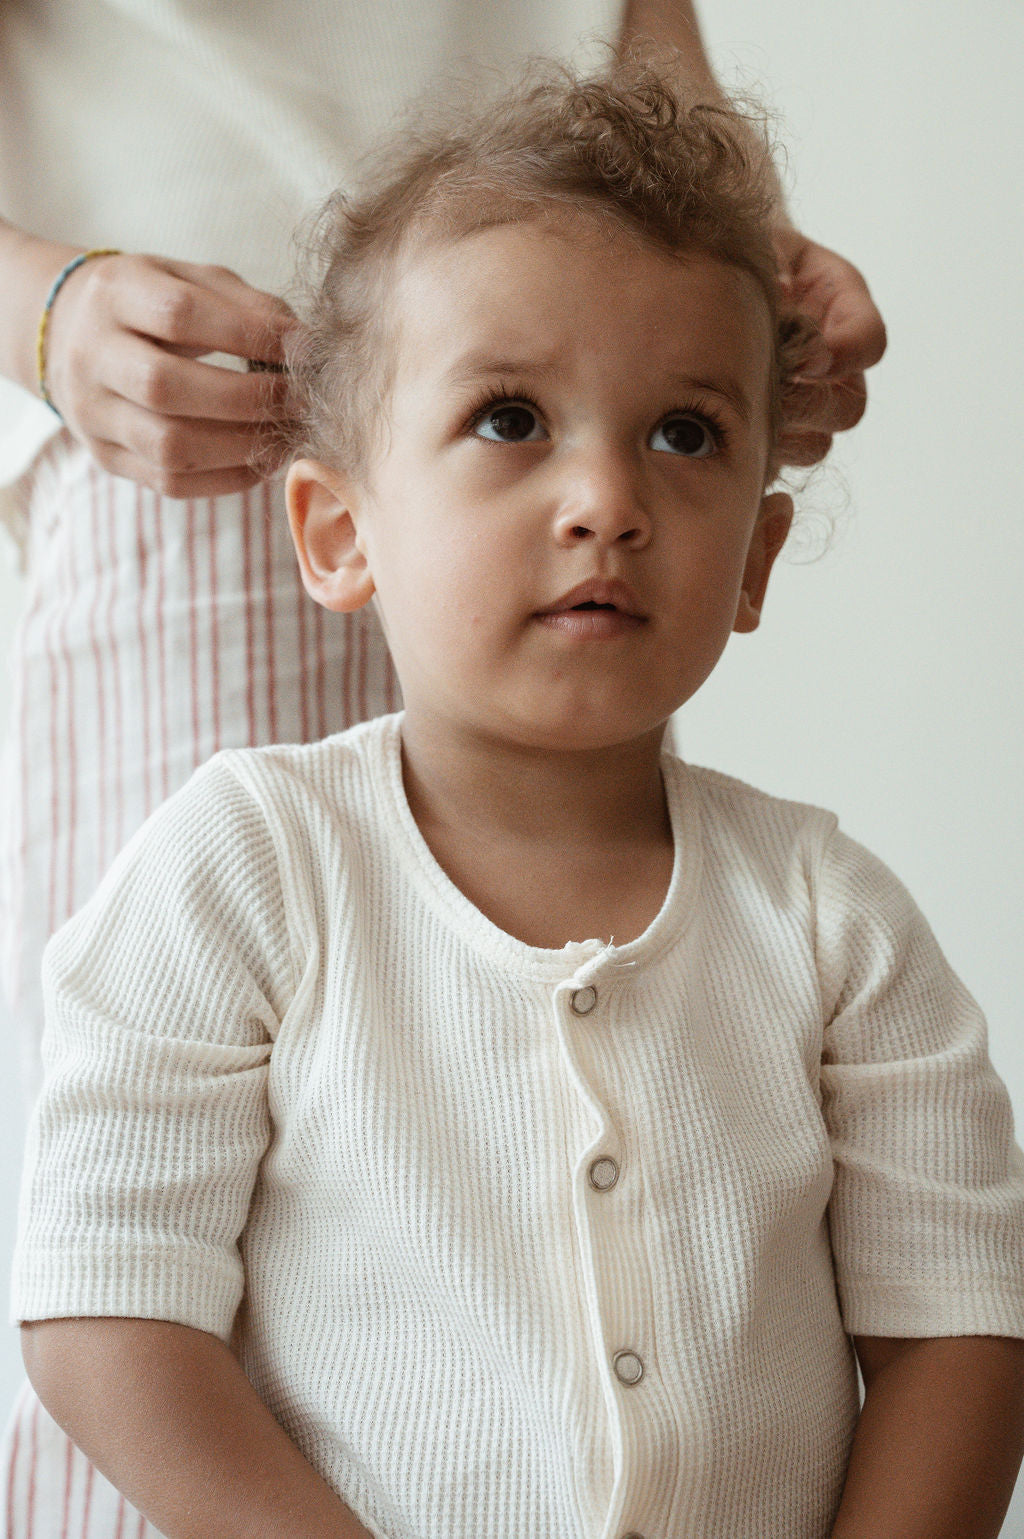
(559, 1243)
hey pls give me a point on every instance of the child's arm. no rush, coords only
(167, 1414)
(939, 1441)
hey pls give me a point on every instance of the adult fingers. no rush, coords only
(196, 309)
(829, 289)
(825, 405)
(132, 326)
(174, 385)
(175, 455)
(172, 446)
(120, 461)
(281, 320)
(852, 327)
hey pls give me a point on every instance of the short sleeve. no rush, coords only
(163, 997)
(927, 1209)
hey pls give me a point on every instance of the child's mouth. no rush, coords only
(591, 621)
(597, 608)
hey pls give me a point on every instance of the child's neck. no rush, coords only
(552, 847)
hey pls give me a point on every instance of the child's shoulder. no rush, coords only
(294, 795)
(350, 761)
(725, 801)
(751, 833)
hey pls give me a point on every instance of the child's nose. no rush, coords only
(601, 501)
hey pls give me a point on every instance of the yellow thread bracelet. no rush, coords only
(44, 320)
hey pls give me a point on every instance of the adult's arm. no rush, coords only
(939, 1441)
(167, 1414)
(123, 348)
(818, 282)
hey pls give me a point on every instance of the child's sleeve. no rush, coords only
(927, 1208)
(163, 997)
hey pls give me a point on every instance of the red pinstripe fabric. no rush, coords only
(87, 1503)
(303, 652)
(34, 1412)
(69, 1475)
(155, 632)
(102, 810)
(113, 661)
(321, 669)
(142, 636)
(14, 1449)
(52, 895)
(211, 515)
(193, 619)
(162, 691)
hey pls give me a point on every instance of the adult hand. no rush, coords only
(830, 394)
(123, 366)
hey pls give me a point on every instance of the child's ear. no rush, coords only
(331, 555)
(767, 540)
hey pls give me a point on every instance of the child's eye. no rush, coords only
(511, 422)
(686, 434)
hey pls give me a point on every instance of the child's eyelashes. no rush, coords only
(508, 419)
(692, 434)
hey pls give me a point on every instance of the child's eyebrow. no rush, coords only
(728, 388)
(477, 366)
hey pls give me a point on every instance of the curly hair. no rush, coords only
(621, 146)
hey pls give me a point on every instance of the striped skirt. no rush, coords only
(155, 633)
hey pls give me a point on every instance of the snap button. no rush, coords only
(582, 1001)
(603, 1174)
(628, 1367)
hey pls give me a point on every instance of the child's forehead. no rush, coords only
(525, 246)
(523, 293)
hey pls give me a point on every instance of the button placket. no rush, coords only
(589, 1045)
(595, 1024)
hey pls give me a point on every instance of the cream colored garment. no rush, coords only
(207, 132)
(532, 1241)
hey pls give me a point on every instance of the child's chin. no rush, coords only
(576, 732)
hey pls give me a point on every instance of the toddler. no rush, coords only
(482, 1124)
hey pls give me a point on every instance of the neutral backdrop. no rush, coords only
(885, 682)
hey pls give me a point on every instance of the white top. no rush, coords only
(558, 1243)
(207, 132)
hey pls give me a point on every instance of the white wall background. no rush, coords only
(886, 681)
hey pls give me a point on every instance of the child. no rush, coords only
(545, 1124)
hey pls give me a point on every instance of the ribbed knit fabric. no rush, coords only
(285, 1053)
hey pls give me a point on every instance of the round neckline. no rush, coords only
(463, 916)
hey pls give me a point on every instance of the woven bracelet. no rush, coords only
(44, 320)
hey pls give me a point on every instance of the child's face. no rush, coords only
(576, 419)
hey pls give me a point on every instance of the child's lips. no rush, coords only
(599, 607)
